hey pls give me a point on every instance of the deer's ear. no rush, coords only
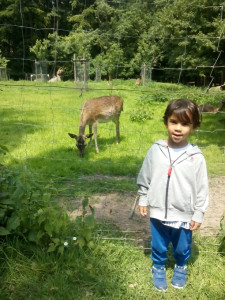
(73, 136)
(88, 135)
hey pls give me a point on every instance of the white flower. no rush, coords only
(74, 238)
(65, 244)
(132, 285)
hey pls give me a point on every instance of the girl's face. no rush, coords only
(178, 132)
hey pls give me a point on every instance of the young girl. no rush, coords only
(173, 183)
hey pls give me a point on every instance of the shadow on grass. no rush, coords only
(212, 130)
(15, 128)
(76, 274)
(65, 161)
(103, 145)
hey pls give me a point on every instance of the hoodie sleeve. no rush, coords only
(202, 198)
(144, 179)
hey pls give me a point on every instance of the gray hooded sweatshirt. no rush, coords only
(175, 191)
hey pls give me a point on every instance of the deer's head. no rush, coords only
(80, 141)
(60, 71)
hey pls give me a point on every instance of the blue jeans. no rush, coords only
(162, 235)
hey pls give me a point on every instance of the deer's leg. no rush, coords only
(90, 131)
(95, 125)
(117, 122)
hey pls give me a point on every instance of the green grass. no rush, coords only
(35, 119)
(112, 270)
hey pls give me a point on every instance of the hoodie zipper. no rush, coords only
(168, 179)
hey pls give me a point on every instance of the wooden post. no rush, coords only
(74, 68)
(133, 207)
(150, 78)
(84, 70)
(143, 75)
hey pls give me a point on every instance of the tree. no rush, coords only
(185, 33)
(3, 60)
(24, 22)
(176, 38)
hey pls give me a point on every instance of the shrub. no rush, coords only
(27, 210)
(143, 110)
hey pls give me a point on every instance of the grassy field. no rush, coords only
(112, 270)
(35, 120)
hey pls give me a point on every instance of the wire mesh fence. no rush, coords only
(116, 210)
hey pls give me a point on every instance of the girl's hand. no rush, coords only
(194, 225)
(143, 210)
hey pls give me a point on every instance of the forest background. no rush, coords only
(116, 36)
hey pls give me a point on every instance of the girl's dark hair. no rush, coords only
(185, 110)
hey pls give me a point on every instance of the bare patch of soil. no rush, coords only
(120, 210)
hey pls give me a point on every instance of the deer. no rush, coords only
(57, 77)
(210, 108)
(217, 88)
(138, 81)
(97, 110)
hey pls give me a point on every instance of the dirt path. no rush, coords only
(114, 208)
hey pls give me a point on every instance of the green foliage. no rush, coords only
(3, 60)
(26, 210)
(222, 236)
(141, 116)
(84, 226)
(110, 31)
(143, 111)
(160, 97)
(3, 150)
(40, 49)
(114, 269)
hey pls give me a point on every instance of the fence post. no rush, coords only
(74, 68)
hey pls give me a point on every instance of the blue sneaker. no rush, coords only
(159, 278)
(179, 277)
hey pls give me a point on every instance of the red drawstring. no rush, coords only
(169, 171)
